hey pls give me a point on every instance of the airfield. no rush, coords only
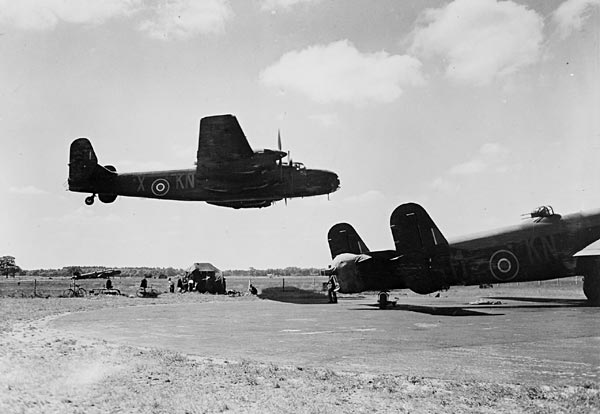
(523, 340)
(291, 351)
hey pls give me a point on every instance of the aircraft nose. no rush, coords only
(333, 181)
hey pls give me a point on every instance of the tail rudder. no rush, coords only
(414, 231)
(84, 172)
(343, 238)
(82, 162)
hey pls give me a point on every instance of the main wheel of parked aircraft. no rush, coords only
(591, 288)
(89, 200)
(589, 267)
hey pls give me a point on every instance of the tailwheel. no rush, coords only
(90, 200)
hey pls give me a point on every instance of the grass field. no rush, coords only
(54, 287)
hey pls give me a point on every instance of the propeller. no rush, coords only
(279, 148)
(278, 139)
(280, 160)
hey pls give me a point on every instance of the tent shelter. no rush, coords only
(207, 278)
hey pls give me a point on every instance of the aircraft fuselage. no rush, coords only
(272, 185)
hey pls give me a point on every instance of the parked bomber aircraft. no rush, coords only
(543, 247)
(228, 173)
(96, 275)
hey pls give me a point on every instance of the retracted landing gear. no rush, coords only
(90, 200)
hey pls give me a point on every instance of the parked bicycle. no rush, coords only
(74, 291)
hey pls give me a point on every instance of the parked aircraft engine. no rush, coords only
(345, 266)
(108, 198)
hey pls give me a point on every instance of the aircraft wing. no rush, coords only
(221, 140)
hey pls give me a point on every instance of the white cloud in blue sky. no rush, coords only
(338, 72)
(479, 40)
(572, 14)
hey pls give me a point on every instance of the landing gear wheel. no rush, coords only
(89, 200)
(383, 299)
(589, 267)
(591, 289)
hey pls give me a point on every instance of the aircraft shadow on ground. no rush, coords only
(293, 294)
(433, 310)
(549, 302)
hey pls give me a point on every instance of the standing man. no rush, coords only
(171, 286)
(332, 288)
(144, 284)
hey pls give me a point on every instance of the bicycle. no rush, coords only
(74, 291)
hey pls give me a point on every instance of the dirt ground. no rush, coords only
(43, 370)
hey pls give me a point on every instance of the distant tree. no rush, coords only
(73, 270)
(8, 266)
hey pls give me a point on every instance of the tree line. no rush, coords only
(9, 267)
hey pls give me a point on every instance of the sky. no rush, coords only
(479, 110)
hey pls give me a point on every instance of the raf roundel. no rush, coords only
(160, 187)
(504, 265)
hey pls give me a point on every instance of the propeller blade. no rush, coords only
(279, 139)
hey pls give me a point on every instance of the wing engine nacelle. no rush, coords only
(105, 197)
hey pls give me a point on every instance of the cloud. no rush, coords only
(170, 19)
(470, 167)
(282, 4)
(27, 190)
(338, 72)
(181, 19)
(572, 14)
(445, 185)
(489, 156)
(42, 15)
(479, 40)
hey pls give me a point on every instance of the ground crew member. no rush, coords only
(332, 288)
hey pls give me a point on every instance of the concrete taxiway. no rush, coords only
(532, 339)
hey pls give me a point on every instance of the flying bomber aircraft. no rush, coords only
(543, 247)
(228, 173)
